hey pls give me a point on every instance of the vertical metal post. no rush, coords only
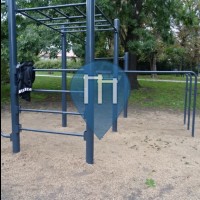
(194, 104)
(189, 102)
(64, 79)
(125, 86)
(90, 13)
(186, 97)
(86, 51)
(115, 74)
(15, 137)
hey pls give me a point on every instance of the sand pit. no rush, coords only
(149, 144)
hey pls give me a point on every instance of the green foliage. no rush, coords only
(150, 183)
(4, 72)
(56, 64)
(147, 28)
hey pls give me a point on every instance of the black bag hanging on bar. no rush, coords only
(25, 78)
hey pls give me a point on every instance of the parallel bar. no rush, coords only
(186, 98)
(189, 101)
(64, 79)
(115, 73)
(125, 87)
(190, 73)
(50, 111)
(90, 13)
(66, 91)
(194, 104)
(15, 136)
(50, 7)
(52, 132)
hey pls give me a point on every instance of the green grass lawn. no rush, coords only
(160, 95)
(163, 95)
(163, 77)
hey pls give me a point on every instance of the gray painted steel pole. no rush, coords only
(189, 101)
(86, 62)
(194, 104)
(90, 12)
(115, 75)
(186, 98)
(15, 137)
(64, 80)
(125, 86)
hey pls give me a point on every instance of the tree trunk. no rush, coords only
(133, 66)
(153, 65)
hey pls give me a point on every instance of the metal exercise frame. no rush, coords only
(187, 97)
(89, 19)
(92, 19)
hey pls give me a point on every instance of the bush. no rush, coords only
(4, 72)
(57, 64)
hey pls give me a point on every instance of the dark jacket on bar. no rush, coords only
(26, 77)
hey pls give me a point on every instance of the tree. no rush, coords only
(144, 24)
(147, 32)
(187, 32)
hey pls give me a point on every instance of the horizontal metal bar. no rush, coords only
(81, 16)
(70, 27)
(105, 29)
(59, 91)
(52, 132)
(5, 135)
(77, 27)
(108, 58)
(51, 7)
(56, 70)
(159, 72)
(74, 31)
(50, 111)
(71, 23)
(55, 18)
(77, 31)
(70, 17)
(102, 25)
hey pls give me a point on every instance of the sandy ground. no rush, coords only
(149, 144)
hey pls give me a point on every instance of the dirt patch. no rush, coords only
(149, 144)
